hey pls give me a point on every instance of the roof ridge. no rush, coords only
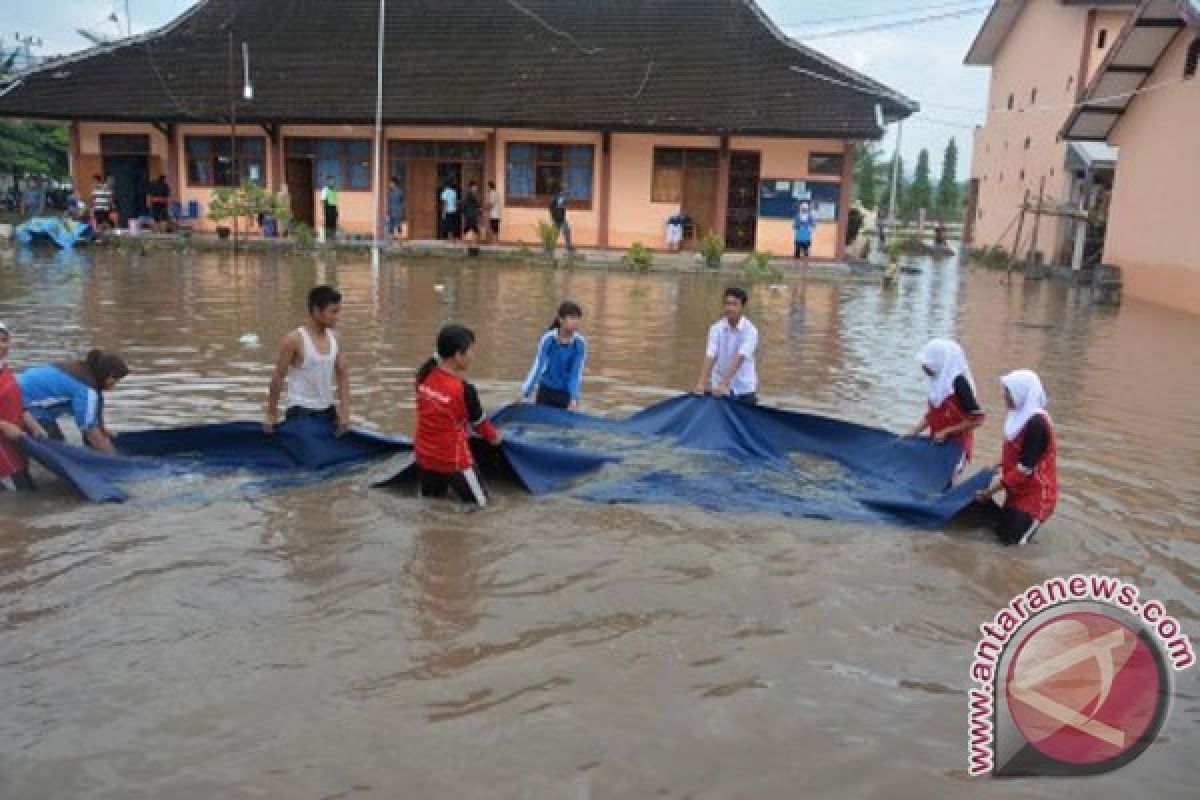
(866, 82)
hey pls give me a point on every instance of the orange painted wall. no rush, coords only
(1152, 230)
(519, 224)
(635, 217)
(1042, 52)
(787, 159)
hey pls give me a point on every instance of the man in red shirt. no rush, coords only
(448, 411)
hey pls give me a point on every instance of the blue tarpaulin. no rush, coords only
(720, 455)
(703, 452)
(65, 233)
(304, 444)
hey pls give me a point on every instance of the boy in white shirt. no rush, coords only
(729, 357)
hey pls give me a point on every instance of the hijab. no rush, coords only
(946, 360)
(95, 369)
(1028, 397)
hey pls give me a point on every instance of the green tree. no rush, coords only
(949, 201)
(867, 175)
(920, 194)
(885, 199)
(31, 148)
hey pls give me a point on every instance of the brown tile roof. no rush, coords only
(716, 66)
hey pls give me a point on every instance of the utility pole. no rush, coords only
(1017, 241)
(233, 148)
(380, 172)
(895, 178)
(1037, 224)
(128, 20)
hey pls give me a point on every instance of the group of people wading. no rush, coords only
(312, 368)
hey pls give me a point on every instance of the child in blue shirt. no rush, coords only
(557, 372)
(803, 227)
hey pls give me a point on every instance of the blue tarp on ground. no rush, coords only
(304, 445)
(65, 233)
(702, 452)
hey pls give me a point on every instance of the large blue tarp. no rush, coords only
(302, 445)
(720, 455)
(703, 452)
(65, 233)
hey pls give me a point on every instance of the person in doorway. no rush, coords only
(395, 209)
(448, 411)
(674, 237)
(1028, 469)
(312, 365)
(493, 209)
(33, 199)
(470, 214)
(558, 215)
(557, 372)
(76, 388)
(15, 422)
(102, 202)
(159, 197)
(802, 227)
(728, 369)
(954, 412)
(449, 216)
(329, 203)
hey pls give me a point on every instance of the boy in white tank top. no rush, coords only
(312, 365)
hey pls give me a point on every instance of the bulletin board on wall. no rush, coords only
(779, 198)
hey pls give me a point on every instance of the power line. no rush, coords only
(878, 14)
(904, 23)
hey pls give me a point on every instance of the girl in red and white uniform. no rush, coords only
(954, 411)
(1029, 465)
(448, 412)
(15, 422)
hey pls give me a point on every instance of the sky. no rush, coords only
(922, 61)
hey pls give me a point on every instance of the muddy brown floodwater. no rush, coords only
(335, 642)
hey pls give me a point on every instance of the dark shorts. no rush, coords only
(1015, 527)
(331, 218)
(750, 399)
(296, 412)
(802, 249)
(494, 224)
(159, 212)
(467, 485)
(553, 397)
(102, 217)
(471, 225)
(450, 225)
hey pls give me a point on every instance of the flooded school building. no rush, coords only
(636, 108)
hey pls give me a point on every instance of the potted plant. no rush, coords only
(713, 249)
(548, 235)
(248, 201)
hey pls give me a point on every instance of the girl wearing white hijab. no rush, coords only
(1029, 466)
(954, 412)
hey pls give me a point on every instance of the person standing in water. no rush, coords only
(15, 422)
(557, 372)
(802, 227)
(448, 411)
(1028, 469)
(728, 369)
(76, 388)
(953, 413)
(329, 203)
(311, 364)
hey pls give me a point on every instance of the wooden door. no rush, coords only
(700, 198)
(421, 199)
(300, 189)
(741, 221)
